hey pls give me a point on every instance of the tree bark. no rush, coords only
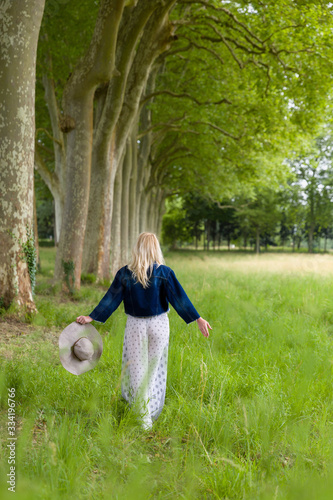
(94, 68)
(144, 169)
(126, 173)
(99, 220)
(54, 180)
(299, 241)
(106, 151)
(35, 228)
(155, 42)
(133, 232)
(161, 212)
(312, 215)
(116, 224)
(125, 90)
(20, 24)
(144, 198)
(155, 210)
(208, 232)
(310, 238)
(56, 185)
(294, 239)
(257, 245)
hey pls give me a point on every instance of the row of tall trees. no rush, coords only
(139, 100)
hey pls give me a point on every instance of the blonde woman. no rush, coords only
(146, 286)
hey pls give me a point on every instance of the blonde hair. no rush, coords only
(145, 252)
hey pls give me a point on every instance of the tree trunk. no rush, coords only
(257, 245)
(55, 181)
(96, 255)
(143, 207)
(77, 189)
(299, 241)
(144, 166)
(58, 217)
(142, 194)
(20, 22)
(150, 209)
(208, 233)
(161, 212)
(156, 207)
(126, 173)
(116, 224)
(310, 239)
(56, 185)
(133, 202)
(94, 68)
(35, 228)
(155, 42)
(146, 23)
(312, 215)
(107, 150)
(153, 210)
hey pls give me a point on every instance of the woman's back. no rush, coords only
(161, 289)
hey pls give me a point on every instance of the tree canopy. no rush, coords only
(138, 101)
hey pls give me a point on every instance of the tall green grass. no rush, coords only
(248, 412)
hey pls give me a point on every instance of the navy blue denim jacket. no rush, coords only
(138, 301)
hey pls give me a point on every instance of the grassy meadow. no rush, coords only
(248, 412)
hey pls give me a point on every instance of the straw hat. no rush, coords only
(80, 347)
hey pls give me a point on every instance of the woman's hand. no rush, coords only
(203, 326)
(84, 319)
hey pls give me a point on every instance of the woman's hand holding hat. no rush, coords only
(84, 319)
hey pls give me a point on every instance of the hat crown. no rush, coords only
(80, 347)
(83, 349)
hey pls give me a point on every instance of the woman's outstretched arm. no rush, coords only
(108, 304)
(179, 300)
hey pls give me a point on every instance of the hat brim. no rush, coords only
(66, 341)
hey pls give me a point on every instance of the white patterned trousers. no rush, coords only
(144, 364)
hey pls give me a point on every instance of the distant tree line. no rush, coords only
(300, 210)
